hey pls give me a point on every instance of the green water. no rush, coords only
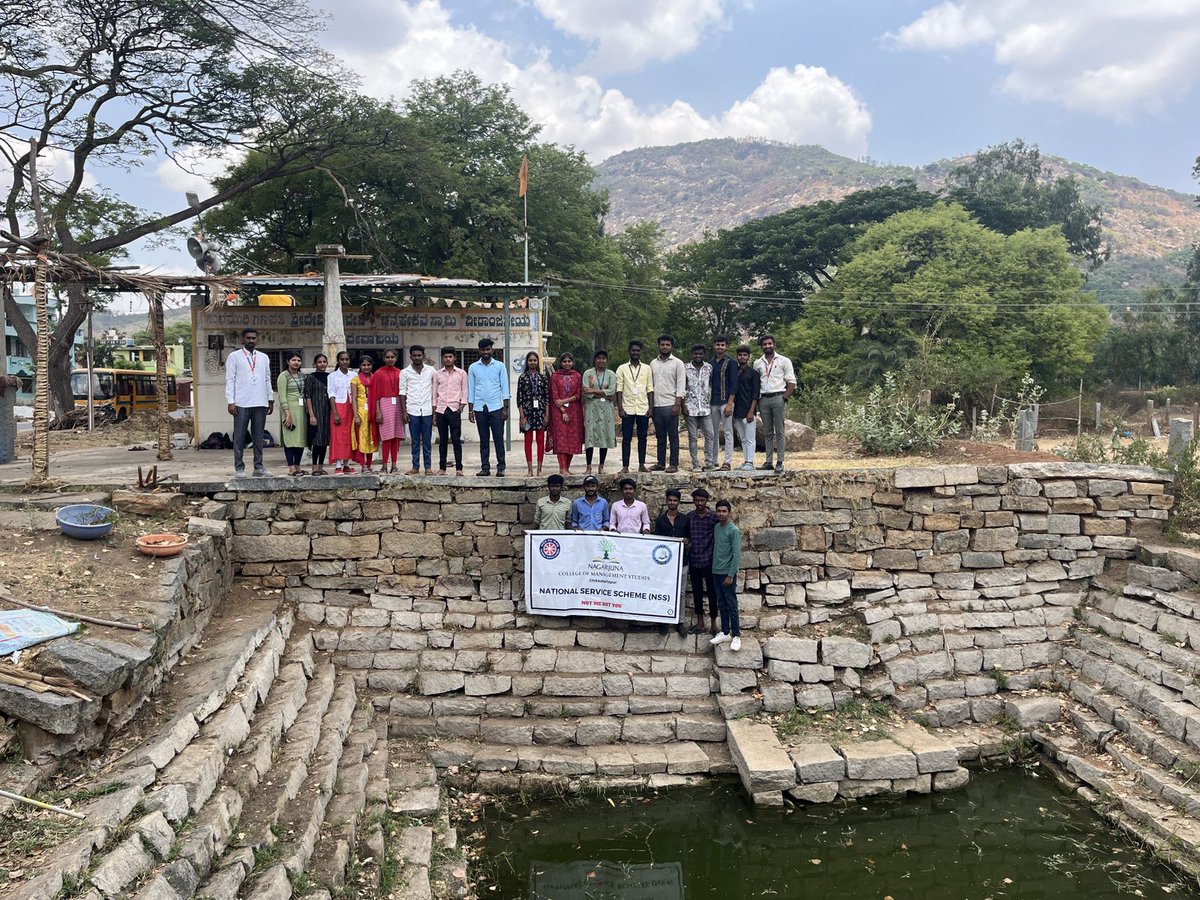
(1007, 834)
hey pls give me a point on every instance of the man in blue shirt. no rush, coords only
(591, 511)
(724, 387)
(487, 397)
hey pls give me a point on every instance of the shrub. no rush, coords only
(891, 421)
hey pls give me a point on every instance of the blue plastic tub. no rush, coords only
(85, 521)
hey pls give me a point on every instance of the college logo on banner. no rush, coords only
(661, 554)
(549, 548)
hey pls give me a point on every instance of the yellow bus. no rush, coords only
(124, 391)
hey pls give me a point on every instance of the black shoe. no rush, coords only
(500, 472)
(483, 473)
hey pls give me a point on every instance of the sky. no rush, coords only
(1111, 83)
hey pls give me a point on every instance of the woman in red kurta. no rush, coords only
(566, 418)
(384, 397)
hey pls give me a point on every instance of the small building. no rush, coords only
(19, 358)
(143, 356)
(380, 312)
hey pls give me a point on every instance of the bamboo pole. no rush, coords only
(160, 375)
(92, 620)
(41, 385)
(1079, 426)
(40, 805)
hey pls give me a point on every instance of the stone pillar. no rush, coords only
(1180, 440)
(1025, 426)
(8, 425)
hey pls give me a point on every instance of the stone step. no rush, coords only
(292, 837)
(679, 758)
(700, 723)
(346, 813)
(372, 841)
(1171, 786)
(1125, 799)
(1179, 629)
(1110, 689)
(249, 780)
(200, 684)
(174, 770)
(1146, 653)
(206, 834)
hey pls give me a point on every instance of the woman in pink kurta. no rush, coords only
(385, 400)
(566, 418)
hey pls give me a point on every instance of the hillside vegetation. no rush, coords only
(708, 185)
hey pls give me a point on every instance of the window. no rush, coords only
(466, 357)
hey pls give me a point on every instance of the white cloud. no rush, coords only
(800, 105)
(1108, 57)
(628, 33)
(193, 169)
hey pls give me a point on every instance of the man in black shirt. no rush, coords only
(672, 523)
(745, 404)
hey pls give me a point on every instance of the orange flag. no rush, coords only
(524, 179)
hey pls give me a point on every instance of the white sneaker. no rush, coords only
(721, 638)
(736, 645)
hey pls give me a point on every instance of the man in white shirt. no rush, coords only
(416, 392)
(778, 385)
(250, 398)
(670, 384)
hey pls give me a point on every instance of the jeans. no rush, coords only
(449, 425)
(746, 432)
(730, 624)
(490, 422)
(420, 431)
(666, 432)
(772, 409)
(256, 418)
(627, 428)
(720, 424)
(703, 425)
(702, 582)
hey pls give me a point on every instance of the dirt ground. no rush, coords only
(103, 578)
(141, 427)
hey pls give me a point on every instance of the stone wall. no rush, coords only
(119, 669)
(932, 586)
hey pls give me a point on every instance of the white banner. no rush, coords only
(634, 577)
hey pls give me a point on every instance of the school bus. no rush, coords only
(124, 391)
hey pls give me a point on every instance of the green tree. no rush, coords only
(724, 282)
(1008, 188)
(954, 306)
(108, 82)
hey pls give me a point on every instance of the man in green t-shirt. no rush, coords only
(727, 558)
(553, 513)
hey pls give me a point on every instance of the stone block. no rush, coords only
(270, 548)
(363, 546)
(950, 781)
(762, 763)
(429, 683)
(918, 477)
(1030, 711)
(822, 792)
(817, 762)
(931, 752)
(828, 591)
(749, 657)
(773, 539)
(845, 653)
(790, 649)
(484, 685)
(881, 759)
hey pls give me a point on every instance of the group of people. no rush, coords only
(346, 417)
(712, 542)
(350, 417)
(569, 411)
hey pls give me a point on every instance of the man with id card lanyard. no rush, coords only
(778, 385)
(250, 400)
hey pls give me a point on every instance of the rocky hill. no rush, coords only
(708, 185)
